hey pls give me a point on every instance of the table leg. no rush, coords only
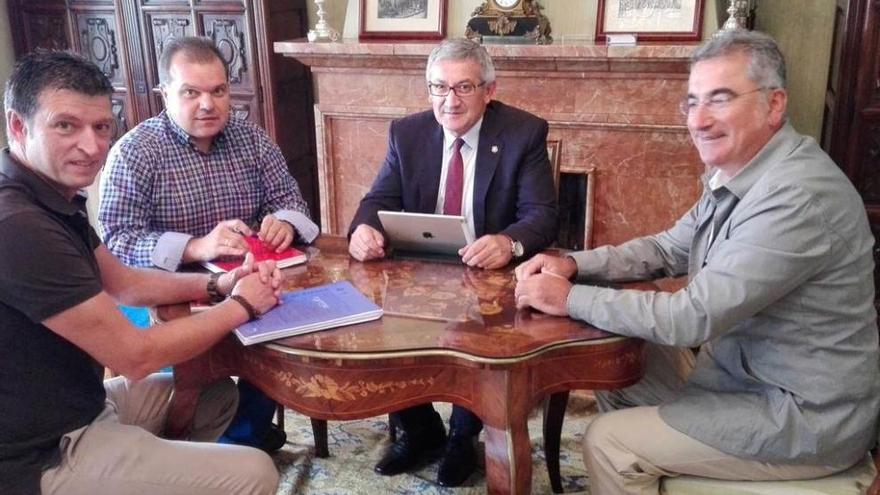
(508, 460)
(504, 408)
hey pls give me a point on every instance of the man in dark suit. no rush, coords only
(469, 156)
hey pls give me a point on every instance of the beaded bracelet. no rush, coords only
(252, 313)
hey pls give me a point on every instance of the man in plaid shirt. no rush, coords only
(189, 184)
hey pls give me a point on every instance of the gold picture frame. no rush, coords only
(659, 20)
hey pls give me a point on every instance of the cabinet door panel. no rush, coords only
(99, 42)
(163, 27)
(122, 112)
(247, 107)
(229, 32)
(164, 3)
(45, 29)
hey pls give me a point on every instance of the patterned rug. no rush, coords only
(355, 446)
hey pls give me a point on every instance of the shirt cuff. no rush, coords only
(587, 262)
(306, 229)
(580, 302)
(169, 250)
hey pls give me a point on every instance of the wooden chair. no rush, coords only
(854, 480)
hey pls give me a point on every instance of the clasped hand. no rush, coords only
(259, 283)
(543, 284)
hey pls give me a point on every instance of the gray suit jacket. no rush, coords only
(781, 301)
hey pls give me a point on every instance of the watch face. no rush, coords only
(506, 4)
(517, 249)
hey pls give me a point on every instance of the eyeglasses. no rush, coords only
(714, 103)
(460, 89)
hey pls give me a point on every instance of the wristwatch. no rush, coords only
(516, 248)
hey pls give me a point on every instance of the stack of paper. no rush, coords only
(310, 310)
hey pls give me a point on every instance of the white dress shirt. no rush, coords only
(469, 159)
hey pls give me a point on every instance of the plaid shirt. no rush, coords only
(158, 190)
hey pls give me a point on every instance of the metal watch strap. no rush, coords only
(252, 313)
(213, 290)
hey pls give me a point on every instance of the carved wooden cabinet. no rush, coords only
(126, 37)
(851, 130)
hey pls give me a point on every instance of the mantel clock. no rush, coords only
(514, 21)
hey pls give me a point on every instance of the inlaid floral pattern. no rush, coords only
(325, 387)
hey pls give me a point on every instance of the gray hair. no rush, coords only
(195, 49)
(766, 62)
(462, 49)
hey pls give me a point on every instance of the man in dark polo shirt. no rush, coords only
(62, 429)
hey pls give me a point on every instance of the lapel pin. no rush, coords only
(494, 149)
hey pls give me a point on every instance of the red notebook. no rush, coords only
(289, 257)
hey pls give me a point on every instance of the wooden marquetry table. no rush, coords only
(449, 333)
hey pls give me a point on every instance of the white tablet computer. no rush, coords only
(413, 234)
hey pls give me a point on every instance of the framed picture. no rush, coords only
(403, 19)
(651, 20)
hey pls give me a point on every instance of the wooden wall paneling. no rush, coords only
(833, 81)
(247, 106)
(229, 30)
(159, 4)
(39, 24)
(161, 27)
(852, 116)
(135, 60)
(864, 149)
(100, 39)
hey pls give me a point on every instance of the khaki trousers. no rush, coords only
(628, 449)
(120, 452)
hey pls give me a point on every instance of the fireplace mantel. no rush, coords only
(613, 112)
(559, 57)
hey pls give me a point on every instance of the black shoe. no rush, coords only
(459, 460)
(410, 450)
(275, 439)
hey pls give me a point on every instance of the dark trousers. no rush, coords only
(252, 419)
(418, 419)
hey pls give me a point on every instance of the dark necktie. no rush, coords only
(454, 181)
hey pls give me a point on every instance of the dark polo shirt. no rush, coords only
(48, 386)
